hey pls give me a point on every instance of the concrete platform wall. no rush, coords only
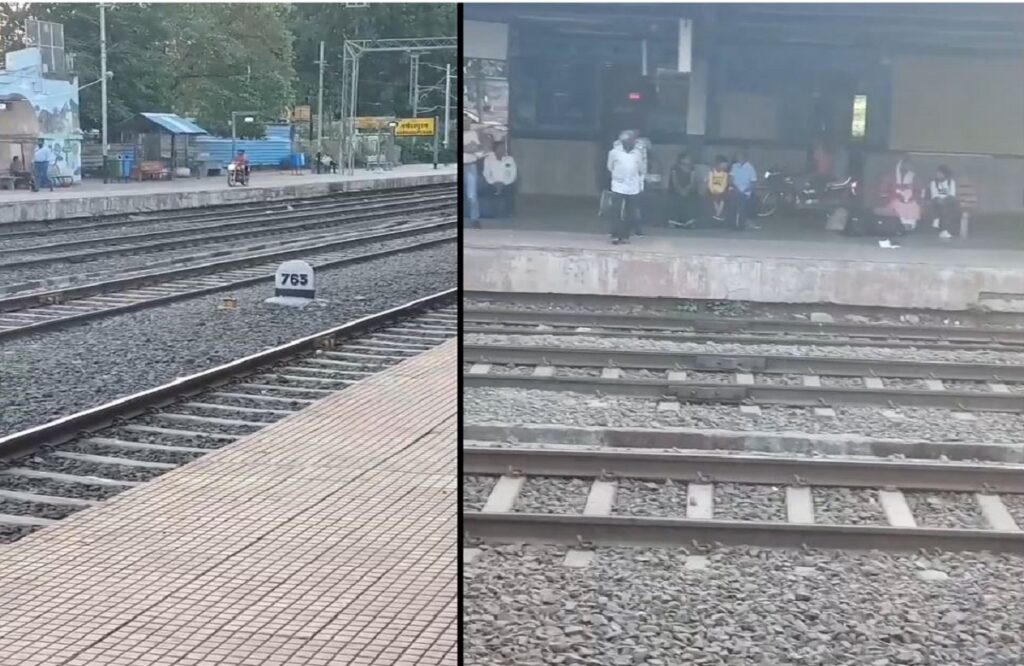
(140, 202)
(635, 272)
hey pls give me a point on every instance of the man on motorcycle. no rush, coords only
(241, 162)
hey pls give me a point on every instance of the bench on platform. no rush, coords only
(62, 181)
(153, 171)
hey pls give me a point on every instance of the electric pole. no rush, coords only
(320, 102)
(103, 84)
(447, 101)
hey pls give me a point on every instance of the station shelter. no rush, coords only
(939, 82)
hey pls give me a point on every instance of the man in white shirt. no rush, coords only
(41, 161)
(472, 151)
(500, 174)
(627, 167)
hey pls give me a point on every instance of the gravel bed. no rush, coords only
(58, 372)
(743, 309)
(963, 385)
(903, 384)
(1015, 387)
(545, 494)
(749, 607)
(57, 489)
(563, 371)
(957, 510)
(640, 373)
(489, 405)
(848, 506)
(832, 381)
(11, 533)
(476, 490)
(173, 457)
(199, 252)
(702, 377)
(511, 369)
(868, 353)
(249, 403)
(741, 501)
(65, 466)
(778, 380)
(638, 497)
(38, 509)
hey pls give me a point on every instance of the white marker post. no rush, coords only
(294, 284)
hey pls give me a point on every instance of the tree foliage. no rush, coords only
(205, 60)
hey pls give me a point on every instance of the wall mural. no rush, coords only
(55, 101)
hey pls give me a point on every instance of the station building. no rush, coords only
(941, 82)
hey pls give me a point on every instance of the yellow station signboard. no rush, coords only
(415, 127)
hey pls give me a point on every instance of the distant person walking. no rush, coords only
(627, 166)
(472, 151)
(41, 161)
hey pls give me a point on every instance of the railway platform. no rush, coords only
(326, 538)
(92, 198)
(763, 266)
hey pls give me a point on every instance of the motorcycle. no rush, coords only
(781, 191)
(237, 175)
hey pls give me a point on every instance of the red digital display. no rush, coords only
(634, 96)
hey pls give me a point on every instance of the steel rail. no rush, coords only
(64, 294)
(762, 394)
(754, 363)
(68, 427)
(219, 211)
(709, 324)
(706, 467)
(28, 329)
(582, 531)
(730, 338)
(315, 221)
(252, 221)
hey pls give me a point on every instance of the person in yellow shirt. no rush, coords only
(718, 188)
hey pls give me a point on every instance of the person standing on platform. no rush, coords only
(744, 177)
(945, 208)
(682, 189)
(471, 154)
(41, 161)
(626, 166)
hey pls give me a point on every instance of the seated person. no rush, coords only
(682, 192)
(944, 207)
(900, 194)
(500, 173)
(716, 189)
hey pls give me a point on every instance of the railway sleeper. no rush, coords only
(112, 460)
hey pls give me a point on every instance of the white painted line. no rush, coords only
(874, 383)
(677, 375)
(544, 371)
(812, 381)
(897, 511)
(934, 385)
(700, 499)
(480, 368)
(601, 498)
(504, 494)
(799, 505)
(996, 513)
(745, 378)
(611, 373)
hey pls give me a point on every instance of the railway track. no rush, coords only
(281, 228)
(737, 378)
(50, 471)
(692, 481)
(699, 328)
(27, 314)
(12, 231)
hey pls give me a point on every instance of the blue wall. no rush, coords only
(272, 151)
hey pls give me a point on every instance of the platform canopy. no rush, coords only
(170, 123)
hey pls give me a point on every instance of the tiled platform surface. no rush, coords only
(328, 538)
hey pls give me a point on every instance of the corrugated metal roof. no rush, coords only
(174, 123)
(271, 151)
